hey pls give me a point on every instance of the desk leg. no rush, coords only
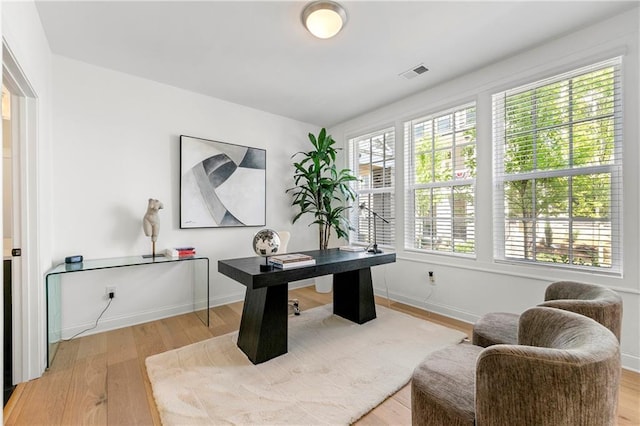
(263, 327)
(353, 295)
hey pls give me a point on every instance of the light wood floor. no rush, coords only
(101, 379)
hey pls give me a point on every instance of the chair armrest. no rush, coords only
(542, 386)
(607, 310)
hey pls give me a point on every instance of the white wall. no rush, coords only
(116, 144)
(466, 289)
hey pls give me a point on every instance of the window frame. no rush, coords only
(436, 120)
(364, 194)
(615, 170)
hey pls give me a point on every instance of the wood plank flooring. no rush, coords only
(101, 379)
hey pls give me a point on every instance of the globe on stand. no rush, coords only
(266, 243)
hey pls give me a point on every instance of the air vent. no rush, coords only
(414, 71)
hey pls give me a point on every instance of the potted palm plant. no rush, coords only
(321, 189)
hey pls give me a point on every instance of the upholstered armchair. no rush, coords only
(594, 301)
(564, 371)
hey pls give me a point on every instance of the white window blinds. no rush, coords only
(558, 170)
(440, 171)
(373, 161)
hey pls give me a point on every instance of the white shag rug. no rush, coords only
(334, 373)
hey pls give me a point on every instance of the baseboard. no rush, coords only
(156, 314)
(437, 308)
(629, 362)
(301, 283)
(232, 298)
(114, 323)
(238, 297)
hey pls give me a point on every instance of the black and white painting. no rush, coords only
(221, 184)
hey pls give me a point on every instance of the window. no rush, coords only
(440, 176)
(373, 161)
(558, 169)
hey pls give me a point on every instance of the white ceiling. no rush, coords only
(258, 54)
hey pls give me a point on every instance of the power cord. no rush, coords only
(111, 296)
(429, 295)
(426, 301)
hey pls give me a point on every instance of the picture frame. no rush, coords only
(221, 184)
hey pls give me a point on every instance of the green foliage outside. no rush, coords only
(560, 138)
(567, 125)
(444, 214)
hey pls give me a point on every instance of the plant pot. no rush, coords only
(324, 284)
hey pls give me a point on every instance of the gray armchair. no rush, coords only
(594, 301)
(564, 371)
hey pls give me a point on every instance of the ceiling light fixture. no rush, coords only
(324, 19)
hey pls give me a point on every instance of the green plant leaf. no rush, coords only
(321, 190)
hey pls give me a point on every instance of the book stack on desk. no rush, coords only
(181, 252)
(294, 260)
(351, 248)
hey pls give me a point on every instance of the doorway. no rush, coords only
(7, 225)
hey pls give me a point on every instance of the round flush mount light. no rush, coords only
(324, 19)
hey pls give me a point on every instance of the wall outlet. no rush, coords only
(432, 278)
(108, 290)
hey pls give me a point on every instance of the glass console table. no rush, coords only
(53, 281)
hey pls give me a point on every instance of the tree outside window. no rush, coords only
(441, 171)
(559, 164)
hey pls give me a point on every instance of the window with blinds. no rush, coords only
(373, 161)
(440, 171)
(558, 170)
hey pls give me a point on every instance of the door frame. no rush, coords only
(27, 289)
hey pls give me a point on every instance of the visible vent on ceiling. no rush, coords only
(414, 71)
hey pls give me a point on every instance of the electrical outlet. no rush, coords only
(108, 290)
(432, 278)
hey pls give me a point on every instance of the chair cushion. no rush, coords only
(443, 387)
(496, 328)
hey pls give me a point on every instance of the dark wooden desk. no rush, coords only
(263, 327)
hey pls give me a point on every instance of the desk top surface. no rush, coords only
(246, 270)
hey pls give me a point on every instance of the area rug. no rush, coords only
(334, 373)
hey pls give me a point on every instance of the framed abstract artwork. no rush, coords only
(221, 184)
